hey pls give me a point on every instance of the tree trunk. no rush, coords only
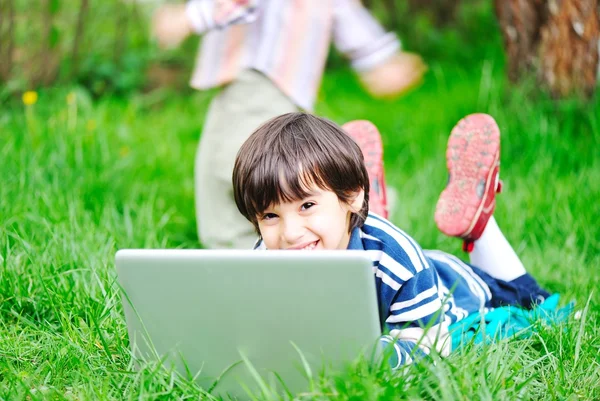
(120, 44)
(47, 59)
(557, 40)
(520, 21)
(569, 46)
(7, 37)
(78, 39)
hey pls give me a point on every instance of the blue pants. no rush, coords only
(523, 291)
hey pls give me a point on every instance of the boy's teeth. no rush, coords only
(310, 246)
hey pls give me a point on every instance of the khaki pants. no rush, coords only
(233, 115)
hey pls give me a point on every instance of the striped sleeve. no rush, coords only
(209, 14)
(411, 303)
(358, 35)
(416, 319)
(400, 352)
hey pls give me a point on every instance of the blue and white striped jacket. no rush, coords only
(420, 293)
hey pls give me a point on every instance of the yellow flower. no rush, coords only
(30, 97)
(71, 98)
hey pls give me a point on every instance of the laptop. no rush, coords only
(235, 319)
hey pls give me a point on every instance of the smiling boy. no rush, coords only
(302, 182)
(290, 204)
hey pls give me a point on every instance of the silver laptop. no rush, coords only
(228, 317)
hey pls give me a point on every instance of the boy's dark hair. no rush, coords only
(291, 152)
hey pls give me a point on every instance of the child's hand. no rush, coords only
(396, 76)
(170, 25)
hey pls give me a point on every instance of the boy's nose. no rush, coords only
(292, 231)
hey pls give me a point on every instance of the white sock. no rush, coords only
(493, 254)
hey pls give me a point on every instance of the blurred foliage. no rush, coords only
(463, 32)
(101, 45)
(460, 30)
(105, 46)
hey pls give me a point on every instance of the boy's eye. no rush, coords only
(269, 216)
(307, 205)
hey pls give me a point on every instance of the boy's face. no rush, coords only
(319, 221)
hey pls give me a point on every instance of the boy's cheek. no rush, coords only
(268, 237)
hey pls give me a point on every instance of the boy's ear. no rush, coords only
(356, 203)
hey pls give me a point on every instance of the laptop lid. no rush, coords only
(210, 309)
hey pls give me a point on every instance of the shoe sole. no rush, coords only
(367, 136)
(473, 153)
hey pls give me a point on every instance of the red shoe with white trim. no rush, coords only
(473, 160)
(368, 138)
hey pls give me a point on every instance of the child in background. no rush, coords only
(302, 182)
(269, 56)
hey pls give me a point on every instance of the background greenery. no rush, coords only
(87, 171)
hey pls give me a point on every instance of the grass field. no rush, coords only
(83, 178)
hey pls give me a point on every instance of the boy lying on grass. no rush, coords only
(303, 182)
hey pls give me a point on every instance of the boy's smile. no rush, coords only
(305, 247)
(319, 221)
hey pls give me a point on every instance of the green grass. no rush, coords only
(81, 180)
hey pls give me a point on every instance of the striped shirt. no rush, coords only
(420, 293)
(287, 40)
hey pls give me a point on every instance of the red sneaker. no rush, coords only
(473, 160)
(366, 135)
